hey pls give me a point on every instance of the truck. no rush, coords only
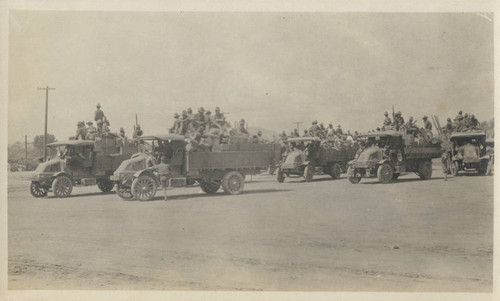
(307, 156)
(468, 151)
(391, 153)
(80, 163)
(225, 165)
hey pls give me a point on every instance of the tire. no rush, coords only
(124, 193)
(351, 177)
(38, 191)
(335, 171)
(425, 170)
(385, 173)
(280, 176)
(105, 185)
(454, 168)
(308, 173)
(62, 186)
(209, 187)
(233, 182)
(144, 188)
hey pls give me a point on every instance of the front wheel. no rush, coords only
(144, 188)
(37, 190)
(384, 173)
(105, 185)
(308, 173)
(124, 192)
(335, 171)
(233, 182)
(351, 176)
(62, 186)
(209, 187)
(280, 176)
(425, 170)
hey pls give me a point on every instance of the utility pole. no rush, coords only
(26, 151)
(46, 114)
(297, 123)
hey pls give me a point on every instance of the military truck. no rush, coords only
(389, 154)
(226, 165)
(80, 163)
(468, 151)
(307, 156)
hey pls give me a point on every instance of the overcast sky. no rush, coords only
(270, 68)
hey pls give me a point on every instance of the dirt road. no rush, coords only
(326, 235)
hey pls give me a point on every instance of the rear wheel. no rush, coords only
(308, 173)
(350, 176)
(37, 190)
(233, 182)
(144, 188)
(209, 187)
(384, 173)
(335, 171)
(105, 185)
(62, 186)
(280, 176)
(425, 170)
(124, 192)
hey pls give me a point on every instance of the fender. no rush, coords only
(62, 173)
(148, 172)
(485, 157)
(383, 161)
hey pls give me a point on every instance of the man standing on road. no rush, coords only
(163, 170)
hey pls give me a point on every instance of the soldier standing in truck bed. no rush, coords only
(177, 126)
(81, 131)
(99, 119)
(387, 121)
(427, 126)
(91, 131)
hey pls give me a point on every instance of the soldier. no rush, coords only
(306, 134)
(219, 117)
(200, 116)
(296, 133)
(186, 123)
(474, 122)
(314, 129)
(459, 117)
(261, 139)
(105, 127)
(339, 130)
(81, 131)
(121, 134)
(410, 126)
(177, 126)
(99, 119)
(449, 125)
(91, 131)
(387, 121)
(427, 126)
(163, 170)
(330, 132)
(242, 127)
(137, 133)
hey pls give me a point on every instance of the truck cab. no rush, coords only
(468, 152)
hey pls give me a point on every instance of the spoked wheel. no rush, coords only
(384, 173)
(233, 182)
(105, 185)
(209, 187)
(280, 176)
(144, 188)
(62, 186)
(454, 168)
(38, 191)
(351, 176)
(425, 170)
(124, 192)
(308, 173)
(335, 171)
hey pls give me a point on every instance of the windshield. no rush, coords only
(371, 154)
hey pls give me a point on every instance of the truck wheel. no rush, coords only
(454, 168)
(143, 188)
(105, 185)
(62, 186)
(384, 173)
(280, 176)
(124, 193)
(308, 173)
(335, 171)
(233, 182)
(425, 170)
(209, 187)
(37, 190)
(351, 177)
